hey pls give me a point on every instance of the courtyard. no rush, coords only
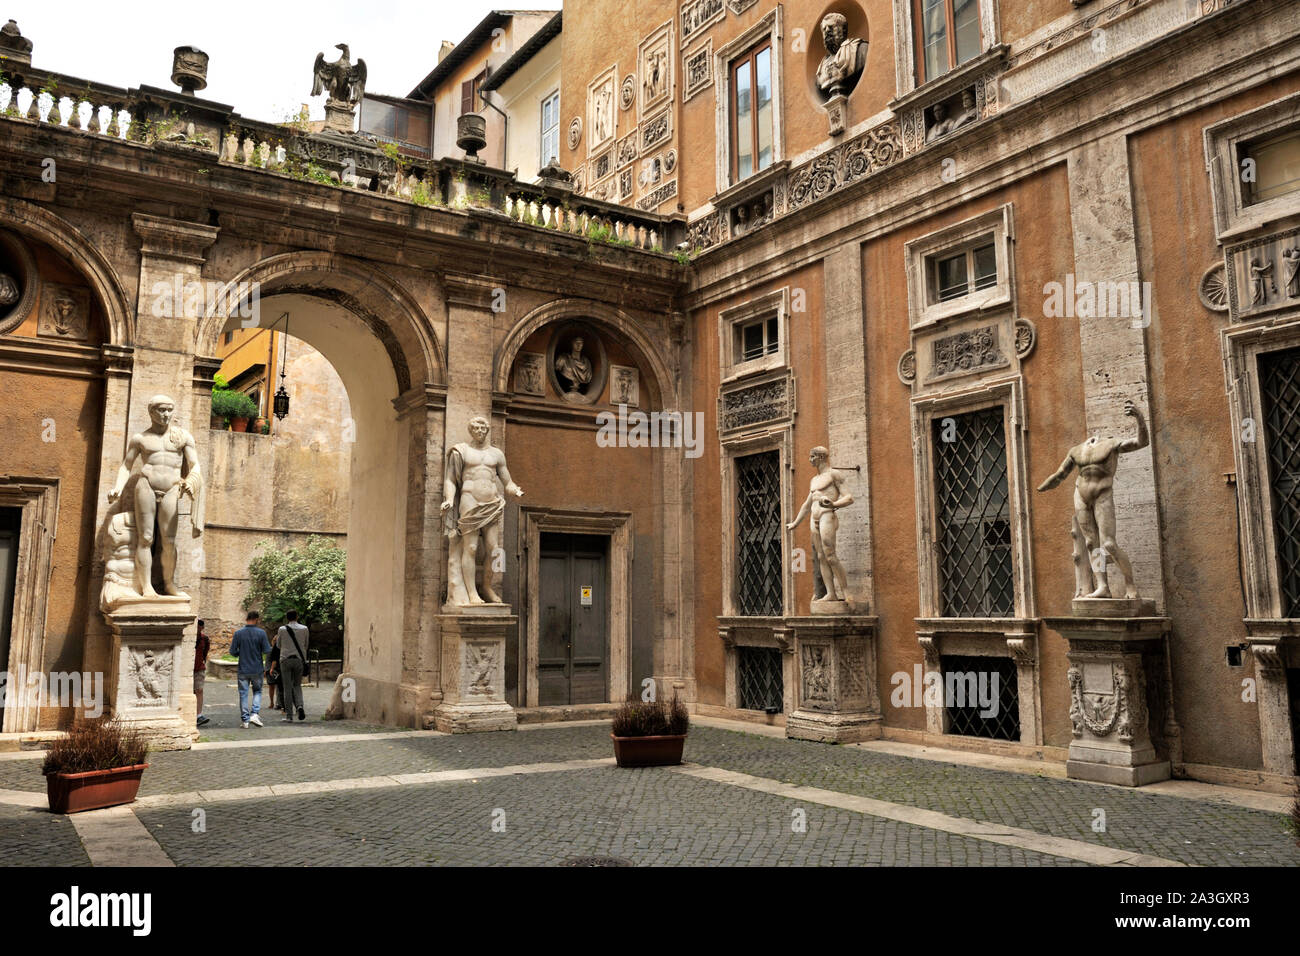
(344, 793)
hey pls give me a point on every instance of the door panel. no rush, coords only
(573, 639)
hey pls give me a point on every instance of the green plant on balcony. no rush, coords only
(228, 404)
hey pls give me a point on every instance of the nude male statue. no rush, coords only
(826, 495)
(165, 465)
(1094, 506)
(472, 508)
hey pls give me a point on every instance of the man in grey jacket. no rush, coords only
(292, 641)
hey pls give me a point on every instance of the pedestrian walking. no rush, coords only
(291, 639)
(250, 646)
(201, 648)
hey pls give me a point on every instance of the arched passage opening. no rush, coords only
(368, 446)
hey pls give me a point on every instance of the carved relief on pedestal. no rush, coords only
(816, 666)
(482, 659)
(149, 677)
(1119, 709)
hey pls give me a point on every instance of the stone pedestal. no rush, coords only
(837, 113)
(147, 673)
(835, 679)
(474, 671)
(1112, 660)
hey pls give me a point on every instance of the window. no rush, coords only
(756, 339)
(408, 126)
(469, 94)
(973, 521)
(985, 699)
(759, 589)
(954, 275)
(1279, 386)
(760, 684)
(751, 111)
(947, 35)
(550, 129)
(1276, 161)
(229, 337)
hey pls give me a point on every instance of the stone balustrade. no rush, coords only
(168, 120)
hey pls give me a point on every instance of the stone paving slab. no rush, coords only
(36, 837)
(1197, 832)
(221, 704)
(649, 817)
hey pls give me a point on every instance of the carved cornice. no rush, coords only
(429, 397)
(470, 292)
(173, 239)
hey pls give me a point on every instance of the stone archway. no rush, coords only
(382, 344)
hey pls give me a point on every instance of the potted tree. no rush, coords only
(96, 764)
(241, 408)
(650, 733)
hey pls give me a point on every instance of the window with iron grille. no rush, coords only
(981, 696)
(1279, 386)
(973, 533)
(760, 684)
(758, 535)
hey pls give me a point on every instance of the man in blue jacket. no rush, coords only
(250, 646)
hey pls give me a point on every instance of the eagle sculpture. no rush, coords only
(343, 80)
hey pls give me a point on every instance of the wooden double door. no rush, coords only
(573, 648)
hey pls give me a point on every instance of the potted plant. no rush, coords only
(650, 733)
(236, 406)
(96, 764)
(219, 384)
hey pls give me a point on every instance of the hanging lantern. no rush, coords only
(282, 396)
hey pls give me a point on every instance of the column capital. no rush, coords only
(173, 239)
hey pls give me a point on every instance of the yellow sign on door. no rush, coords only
(585, 592)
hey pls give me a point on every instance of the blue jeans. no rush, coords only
(244, 681)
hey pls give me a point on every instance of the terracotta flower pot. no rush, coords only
(218, 422)
(665, 751)
(238, 424)
(94, 789)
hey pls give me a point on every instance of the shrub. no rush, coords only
(640, 718)
(101, 743)
(309, 579)
(228, 404)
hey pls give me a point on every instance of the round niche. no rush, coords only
(855, 66)
(18, 282)
(576, 363)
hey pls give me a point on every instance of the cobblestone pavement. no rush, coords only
(648, 817)
(653, 816)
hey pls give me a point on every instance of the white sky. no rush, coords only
(260, 53)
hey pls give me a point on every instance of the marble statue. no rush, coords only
(826, 495)
(1261, 276)
(574, 369)
(840, 69)
(1093, 525)
(161, 465)
(474, 487)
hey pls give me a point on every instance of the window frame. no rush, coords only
(1234, 215)
(950, 25)
(906, 32)
(923, 254)
(541, 119)
(749, 58)
(768, 28)
(730, 321)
